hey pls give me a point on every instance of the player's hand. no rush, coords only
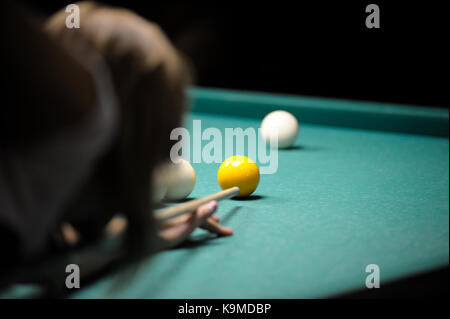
(170, 233)
(175, 231)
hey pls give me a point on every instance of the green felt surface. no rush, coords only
(341, 199)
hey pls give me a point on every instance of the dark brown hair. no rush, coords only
(150, 88)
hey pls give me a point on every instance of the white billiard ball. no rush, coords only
(180, 179)
(280, 124)
(159, 183)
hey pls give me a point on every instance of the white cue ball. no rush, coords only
(282, 124)
(159, 183)
(180, 180)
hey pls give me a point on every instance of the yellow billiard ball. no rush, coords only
(239, 171)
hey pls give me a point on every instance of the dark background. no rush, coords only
(318, 48)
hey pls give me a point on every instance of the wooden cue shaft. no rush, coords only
(190, 206)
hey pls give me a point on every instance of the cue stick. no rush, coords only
(188, 207)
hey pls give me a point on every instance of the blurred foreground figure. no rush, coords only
(86, 117)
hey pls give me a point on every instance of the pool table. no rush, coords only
(365, 183)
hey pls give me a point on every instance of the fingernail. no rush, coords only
(212, 206)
